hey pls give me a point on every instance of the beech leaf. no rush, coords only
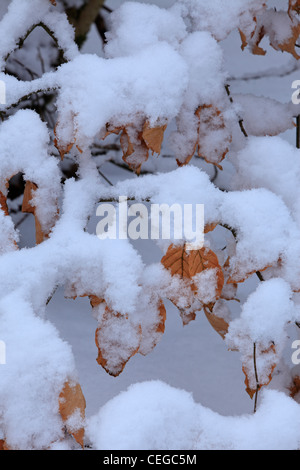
(72, 399)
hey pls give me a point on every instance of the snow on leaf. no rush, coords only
(213, 138)
(118, 340)
(190, 266)
(153, 330)
(71, 400)
(281, 27)
(27, 207)
(218, 323)
(255, 379)
(137, 139)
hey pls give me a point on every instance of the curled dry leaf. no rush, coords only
(218, 323)
(30, 188)
(187, 264)
(71, 400)
(254, 40)
(63, 149)
(137, 140)
(210, 227)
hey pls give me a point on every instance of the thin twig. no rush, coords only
(241, 121)
(19, 223)
(51, 296)
(259, 275)
(256, 378)
(105, 178)
(298, 132)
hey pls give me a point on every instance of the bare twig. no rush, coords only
(256, 378)
(241, 121)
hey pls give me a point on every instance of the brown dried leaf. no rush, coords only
(95, 301)
(188, 264)
(153, 137)
(3, 203)
(290, 44)
(135, 151)
(161, 326)
(295, 387)
(218, 323)
(72, 399)
(248, 371)
(28, 195)
(113, 350)
(294, 6)
(259, 33)
(136, 141)
(153, 328)
(63, 149)
(210, 121)
(210, 227)
(27, 207)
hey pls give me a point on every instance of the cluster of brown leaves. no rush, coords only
(138, 138)
(137, 141)
(265, 25)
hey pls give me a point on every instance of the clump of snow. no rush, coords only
(21, 16)
(148, 24)
(264, 116)
(270, 163)
(215, 17)
(24, 148)
(155, 416)
(38, 365)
